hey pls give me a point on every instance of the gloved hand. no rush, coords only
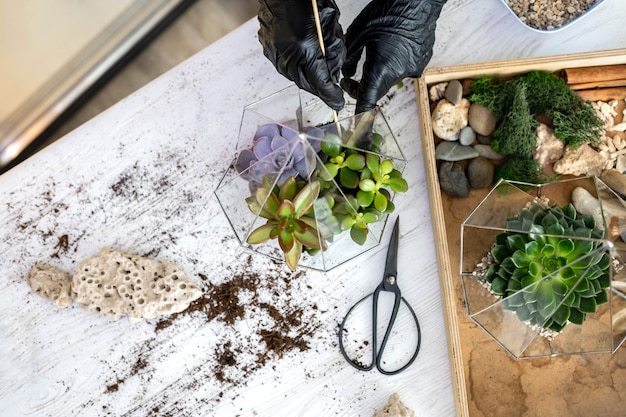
(289, 38)
(398, 36)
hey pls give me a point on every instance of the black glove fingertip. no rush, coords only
(350, 86)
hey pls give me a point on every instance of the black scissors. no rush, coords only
(389, 284)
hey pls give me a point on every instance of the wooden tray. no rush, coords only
(487, 380)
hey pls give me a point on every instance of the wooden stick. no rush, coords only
(320, 37)
(595, 74)
(599, 84)
(603, 94)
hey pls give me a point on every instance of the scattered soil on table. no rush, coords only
(549, 14)
(258, 317)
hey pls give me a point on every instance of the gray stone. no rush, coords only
(453, 151)
(480, 173)
(467, 136)
(482, 120)
(487, 152)
(454, 92)
(452, 179)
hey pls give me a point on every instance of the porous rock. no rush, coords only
(394, 408)
(448, 119)
(580, 161)
(549, 148)
(51, 282)
(114, 283)
(481, 119)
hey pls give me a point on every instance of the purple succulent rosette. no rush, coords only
(278, 152)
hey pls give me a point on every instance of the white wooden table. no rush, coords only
(140, 177)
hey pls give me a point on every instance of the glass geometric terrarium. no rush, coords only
(307, 189)
(541, 278)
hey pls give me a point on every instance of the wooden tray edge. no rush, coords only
(443, 261)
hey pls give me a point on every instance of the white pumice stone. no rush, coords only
(394, 408)
(115, 283)
(51, 282)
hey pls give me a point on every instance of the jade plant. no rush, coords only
(549, 266)
(289, 217)
(366, 182)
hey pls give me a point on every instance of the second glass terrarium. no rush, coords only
(307, 188)
(540, 277)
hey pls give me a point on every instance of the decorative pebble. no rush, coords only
(548, 14)
(481, 119)
(454, 92)
(480, 173)
(486, 152)
(448, 119)
(585, 203)
(452, 179)
(467, 136)
(50, 282)
(453, 151)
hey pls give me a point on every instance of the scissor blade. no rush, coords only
(391, 266)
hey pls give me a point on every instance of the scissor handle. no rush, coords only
(377, 353)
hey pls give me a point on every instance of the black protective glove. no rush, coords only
(398, 36)
(289, 38)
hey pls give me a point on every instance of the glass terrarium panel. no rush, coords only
(544, 280)
(291, 138)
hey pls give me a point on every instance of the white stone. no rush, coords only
(585, 203)
(115, 283)
(448, 119)
(50, 282)
(437, 91)
(549, 148)
(620, 164)
(394, 408)
(580, 161)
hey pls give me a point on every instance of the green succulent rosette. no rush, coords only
(550, 267)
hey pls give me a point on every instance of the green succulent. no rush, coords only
(365, 184)
(374, 178)
(548, 268)
(290, 218)
(342, 163)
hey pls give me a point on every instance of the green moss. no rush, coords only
(515, 134)
(518, 101)
(520, 169)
